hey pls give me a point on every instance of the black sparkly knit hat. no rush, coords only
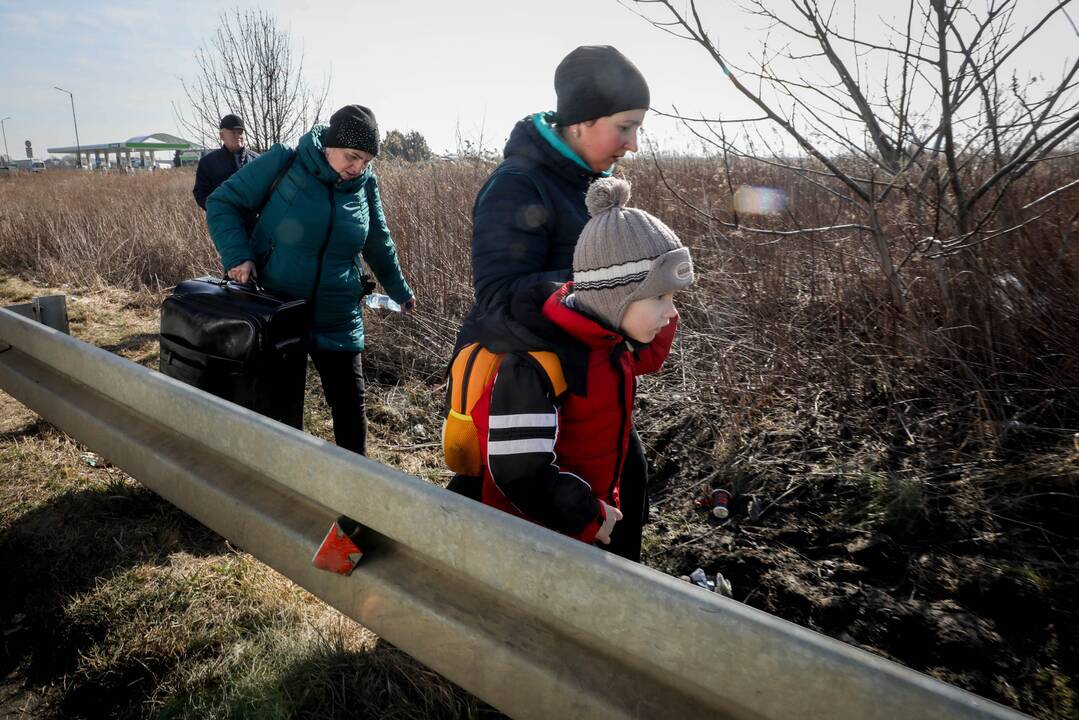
(353, 126)
(595, 81)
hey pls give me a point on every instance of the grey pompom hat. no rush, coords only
(624, 254)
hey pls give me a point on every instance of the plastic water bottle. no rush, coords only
(378, 300)
(697, 577)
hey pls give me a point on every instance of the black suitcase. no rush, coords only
(240, 343)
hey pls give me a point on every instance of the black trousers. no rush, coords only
(342, 382)
(633, 501)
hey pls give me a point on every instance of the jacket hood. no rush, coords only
(535, 138)
(584, 328)
(520, 325)
(310, 153)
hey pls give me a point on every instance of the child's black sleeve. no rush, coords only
(520, 452)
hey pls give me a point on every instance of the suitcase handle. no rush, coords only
(252, 283)
(288, 343)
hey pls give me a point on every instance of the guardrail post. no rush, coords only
(50, 310)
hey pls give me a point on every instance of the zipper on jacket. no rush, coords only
(321, 255)
(623, 427)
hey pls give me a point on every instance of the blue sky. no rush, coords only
(120, 60)
(431, 66)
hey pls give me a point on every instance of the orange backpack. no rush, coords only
(470, 371)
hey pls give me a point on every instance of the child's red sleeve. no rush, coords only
(650, 358)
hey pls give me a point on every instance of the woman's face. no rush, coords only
(349, 163)
(601, 142)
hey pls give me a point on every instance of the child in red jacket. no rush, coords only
(557, 460)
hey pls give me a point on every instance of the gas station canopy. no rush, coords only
(140, 143)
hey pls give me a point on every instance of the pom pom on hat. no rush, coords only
(606, 194)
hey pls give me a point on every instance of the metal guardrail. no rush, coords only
(536, 624)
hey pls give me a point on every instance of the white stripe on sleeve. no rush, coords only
(520, 447)
(501, 422)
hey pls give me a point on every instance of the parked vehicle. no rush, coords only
(29, 165)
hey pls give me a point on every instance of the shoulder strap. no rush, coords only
(552, 368)
(474, 366)
(471, 369)
(277, 181)
(367, 189)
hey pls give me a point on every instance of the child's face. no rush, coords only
(645, 318)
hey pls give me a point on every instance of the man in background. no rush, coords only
(216, 167)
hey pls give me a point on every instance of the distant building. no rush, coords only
(144, 147)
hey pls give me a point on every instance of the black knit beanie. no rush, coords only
(353, 126)
(595, 81)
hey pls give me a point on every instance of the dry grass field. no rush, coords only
(905, 479)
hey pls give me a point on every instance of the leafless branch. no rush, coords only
(1050, 194)
(250, 68)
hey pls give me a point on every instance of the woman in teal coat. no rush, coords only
(324, 213)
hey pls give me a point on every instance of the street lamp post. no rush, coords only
(78, 147)
(7, 155)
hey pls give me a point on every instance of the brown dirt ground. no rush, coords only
(964, 571)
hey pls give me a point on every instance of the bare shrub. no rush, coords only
(812, 296)
(937, 120)
(794, 306)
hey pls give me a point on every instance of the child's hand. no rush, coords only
(611, 516)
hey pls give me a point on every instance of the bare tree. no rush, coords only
(251, 69)
(934, 116)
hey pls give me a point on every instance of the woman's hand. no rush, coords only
(409, 305)
(611, 515)
(243, 272)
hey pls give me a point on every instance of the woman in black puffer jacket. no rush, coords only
(529, 213)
